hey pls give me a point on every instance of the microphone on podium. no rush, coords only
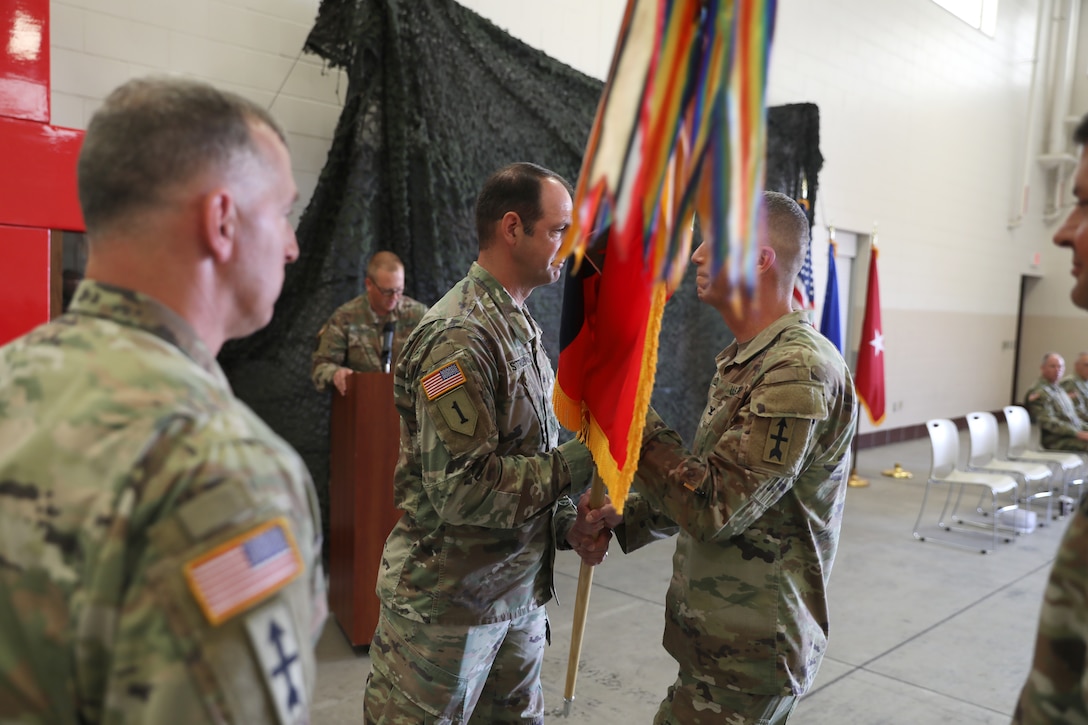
(387, 345)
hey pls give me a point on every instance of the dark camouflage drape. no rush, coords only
(438, 98)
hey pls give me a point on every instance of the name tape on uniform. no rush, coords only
(443, 380)
(244, 570)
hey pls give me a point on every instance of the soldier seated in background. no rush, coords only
(1076, 386)
(1060, 428)
(351, 341)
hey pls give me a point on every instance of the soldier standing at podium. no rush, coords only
(484, 486)
(356, 335)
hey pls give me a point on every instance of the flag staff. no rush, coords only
(581, 607)
(856, 481)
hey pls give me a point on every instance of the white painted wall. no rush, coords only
(922, 120)
(251, 47)
(922, 130)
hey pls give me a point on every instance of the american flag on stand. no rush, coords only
(804, 293)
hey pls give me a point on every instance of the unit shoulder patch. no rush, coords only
(459, 411)
(779, 436)
(272, 634)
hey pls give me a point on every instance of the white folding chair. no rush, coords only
(1072, 466)
(945, 442)
(1034, 477)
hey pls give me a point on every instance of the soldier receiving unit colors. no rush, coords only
(483, 484)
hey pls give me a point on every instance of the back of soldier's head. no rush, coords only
(787, 233)
(152, 135)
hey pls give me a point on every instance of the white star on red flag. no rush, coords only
(878, 343)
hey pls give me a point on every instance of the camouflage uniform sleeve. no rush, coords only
(566, 513)
(1080, 405)
(192, 636)
(1055, 690)
(754, 463)
(1044, 411)
(465, 477)
(642, 524)
(331, 352)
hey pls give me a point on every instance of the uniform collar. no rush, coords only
(373, 319)
(517, 315)
(133, 309)
(742, 352)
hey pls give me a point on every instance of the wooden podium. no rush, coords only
(364, 444)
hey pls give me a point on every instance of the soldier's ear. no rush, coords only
(510, 227)
(766, 258)
(218, 223)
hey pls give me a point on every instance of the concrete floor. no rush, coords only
(920, 632)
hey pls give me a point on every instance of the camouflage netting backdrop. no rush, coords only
(438, 98)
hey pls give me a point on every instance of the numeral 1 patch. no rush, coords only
(458, 411)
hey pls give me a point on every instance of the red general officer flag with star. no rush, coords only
(869, 379)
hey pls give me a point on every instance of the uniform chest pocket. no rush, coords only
(528, 404)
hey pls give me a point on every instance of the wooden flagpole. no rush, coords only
(581, 608)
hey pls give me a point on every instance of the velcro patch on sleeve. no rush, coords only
(244, 570)
(777, 447)
(459, 411)
(272, 633)
(442, 380)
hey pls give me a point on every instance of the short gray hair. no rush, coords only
(154, 133)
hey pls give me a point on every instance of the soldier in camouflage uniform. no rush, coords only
(482, 482)
(351, 341)
(757, 502)
(1056, 690)
(1060, 428)
(1076, 386)
(158, 541)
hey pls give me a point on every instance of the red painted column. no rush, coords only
(25, 252)
(37, 172)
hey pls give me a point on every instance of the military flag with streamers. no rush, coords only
(869, 379)
(680, 131)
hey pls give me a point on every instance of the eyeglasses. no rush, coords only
(397, 292)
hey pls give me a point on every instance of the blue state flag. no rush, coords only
(830, 324)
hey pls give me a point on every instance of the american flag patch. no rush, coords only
(443, 380)
(244, 570)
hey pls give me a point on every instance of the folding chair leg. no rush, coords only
(954, 520)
